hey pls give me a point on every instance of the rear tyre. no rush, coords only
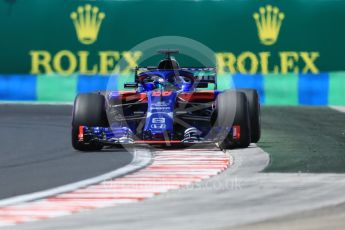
(88, 110)
(226, 103)
(254, 113)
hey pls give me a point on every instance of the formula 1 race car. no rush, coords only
(167, 107)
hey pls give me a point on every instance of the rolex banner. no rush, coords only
(291, 51)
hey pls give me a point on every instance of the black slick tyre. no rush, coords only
(254, 113)
(88, 110)
(232, 110)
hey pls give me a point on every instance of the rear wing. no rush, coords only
(201, 74)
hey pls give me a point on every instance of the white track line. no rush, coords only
(181, 168)
(141, 158)
(338, 108)
(239, 195)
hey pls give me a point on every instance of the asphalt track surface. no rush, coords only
(36, 152)
(241, 195)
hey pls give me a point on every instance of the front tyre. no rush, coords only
(233, 106)
(88, 110)
(254, 113)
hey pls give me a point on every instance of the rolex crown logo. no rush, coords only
(87, 22)
(268, 21)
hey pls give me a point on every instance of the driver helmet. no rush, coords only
(168, 63)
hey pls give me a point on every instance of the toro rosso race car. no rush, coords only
(167, 106)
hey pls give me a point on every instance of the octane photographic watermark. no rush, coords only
(160, 185)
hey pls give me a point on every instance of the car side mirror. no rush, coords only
(131, 85)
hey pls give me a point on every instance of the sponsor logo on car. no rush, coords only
(161, 103)
(158, 126)
(158, 120)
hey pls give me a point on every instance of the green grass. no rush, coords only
(303, 139)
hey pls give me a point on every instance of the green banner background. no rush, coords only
(224, 26)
